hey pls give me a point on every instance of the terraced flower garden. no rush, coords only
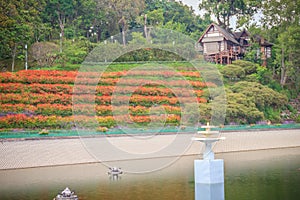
(37, 99)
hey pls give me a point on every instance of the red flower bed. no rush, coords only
(35, 88)
(100, 90)
(84, 109)
(24, 121)
(38, 99)
(34, 99)
(138, 72)
(90, 78)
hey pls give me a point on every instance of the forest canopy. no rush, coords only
(25, 22)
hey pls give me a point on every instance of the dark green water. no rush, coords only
(259, 175)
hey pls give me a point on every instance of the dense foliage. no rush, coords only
(225, 10)
(76, 26)
(249, 98)
(69, 30)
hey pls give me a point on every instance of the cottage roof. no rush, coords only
(263, 42)
(237, 35)
(226, 34)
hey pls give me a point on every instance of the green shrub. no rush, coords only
(44, 54)
(233, 72)
(251, 78)
(262, 95)
(241, 109)
(298, 119)
(249, 67)
(264, 75)
(272, 114)
(75, 52)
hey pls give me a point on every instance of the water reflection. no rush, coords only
(209, 191)
(114, 177)
(260, 175)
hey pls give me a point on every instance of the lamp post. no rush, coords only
(60, 43)
(92, 32)
(98, 32)
(26, 57)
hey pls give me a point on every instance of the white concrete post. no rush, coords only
(209, 173)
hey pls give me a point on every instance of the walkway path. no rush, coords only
(50, 152)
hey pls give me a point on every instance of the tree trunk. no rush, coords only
(297, 82)
(283, 76)
(14, 52)
(62, 28)
(61, 21)
(145, 27)
(99, 34)
(227, 23)
(123, 37)
(220, 23)
(122, 22)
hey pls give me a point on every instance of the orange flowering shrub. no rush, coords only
(43, 99)
(24, 121)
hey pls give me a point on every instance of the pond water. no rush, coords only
(266, 174)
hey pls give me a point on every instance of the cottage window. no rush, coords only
(212, 47)
(268, 51)
(257, 53)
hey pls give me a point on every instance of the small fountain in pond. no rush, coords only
(208, 172)
(114, 173)
(66, 194)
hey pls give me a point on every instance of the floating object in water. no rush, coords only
(115, 171)
(66, 194)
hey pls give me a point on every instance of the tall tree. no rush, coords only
(283, 18)
(151, 18)
(91, 19)
(287, 55)
(174, 15)
(280, 12)
(122, 11)
(60, 12)
(17, 19)
(224, 10)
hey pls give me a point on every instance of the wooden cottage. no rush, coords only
(220, 46)
(243, 39)
(264, 52)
